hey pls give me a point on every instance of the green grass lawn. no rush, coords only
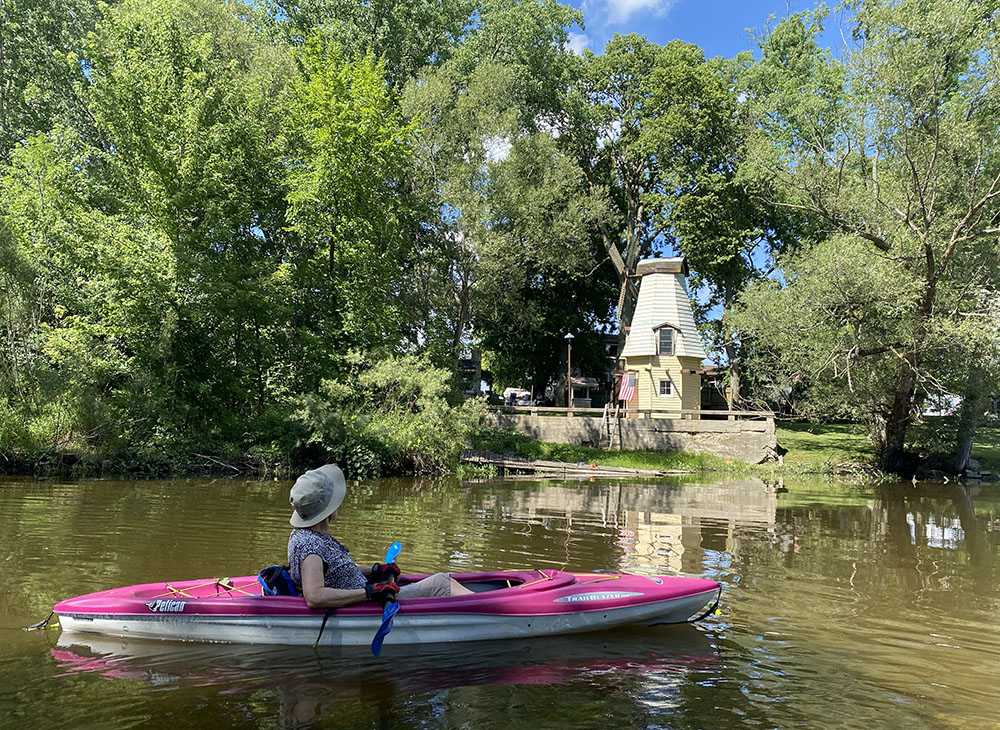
(986, 449)
(939, 433)
(811, 445)
(818, 447)
(508, 442)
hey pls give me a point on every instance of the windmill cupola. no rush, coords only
(662, 347)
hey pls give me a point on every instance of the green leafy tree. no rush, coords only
(41, 44)
(507, 239)
(661, 140)
(83, 290)
(718, 213)
(621, 170)
(405, 36)
(893, 148)
(183, 94)
(347, 156)
(229, 220)
(538, 276)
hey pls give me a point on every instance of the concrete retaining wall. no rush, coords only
(750, 441)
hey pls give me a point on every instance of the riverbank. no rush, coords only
(811, 449)
(145, 466)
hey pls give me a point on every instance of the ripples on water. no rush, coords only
(843, 607)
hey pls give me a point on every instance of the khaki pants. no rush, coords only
(433, 586)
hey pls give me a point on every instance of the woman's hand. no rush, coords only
(380, 572)
(382, 592)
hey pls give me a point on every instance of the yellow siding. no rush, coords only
(691, 391)
(686, 387)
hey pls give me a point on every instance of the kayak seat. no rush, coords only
(276, 581)
(481, 586)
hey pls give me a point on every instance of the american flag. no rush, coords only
(626, 391)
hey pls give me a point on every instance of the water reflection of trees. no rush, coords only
(937, 535)
(72, 537)
(813, 574)
(895, 538)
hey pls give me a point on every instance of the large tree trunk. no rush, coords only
(462, 292)
(973, 406)
(735, 376)
(892, 456)
(458, 330)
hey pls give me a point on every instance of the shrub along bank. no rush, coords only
(397, 416)
(381, 416)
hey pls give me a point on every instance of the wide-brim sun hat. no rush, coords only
(316, 495)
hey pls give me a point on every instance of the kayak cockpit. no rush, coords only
(494, 584)
(527, 580)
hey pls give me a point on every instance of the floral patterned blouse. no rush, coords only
(339, 571)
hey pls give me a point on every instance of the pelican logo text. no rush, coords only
(161, 606)
(597, 596)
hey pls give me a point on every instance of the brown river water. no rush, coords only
(843, 606)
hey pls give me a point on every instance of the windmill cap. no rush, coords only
(662, 266)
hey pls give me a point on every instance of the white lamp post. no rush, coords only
(569, 370)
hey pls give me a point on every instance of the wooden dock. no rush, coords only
(507, 464)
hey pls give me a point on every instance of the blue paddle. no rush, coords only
(390, 608)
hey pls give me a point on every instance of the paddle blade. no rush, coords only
(392, 552)
(385, 628)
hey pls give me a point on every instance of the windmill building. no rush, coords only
(663, 353)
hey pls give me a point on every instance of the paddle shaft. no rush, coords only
(389, 609)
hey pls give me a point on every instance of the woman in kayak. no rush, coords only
(322, 568)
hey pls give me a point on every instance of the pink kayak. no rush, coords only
(504, 605)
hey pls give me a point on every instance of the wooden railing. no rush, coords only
(548, 410)
(632, 412)
(732, 415)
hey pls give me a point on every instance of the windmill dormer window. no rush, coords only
(665, 341)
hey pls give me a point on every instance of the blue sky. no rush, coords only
(718, 26)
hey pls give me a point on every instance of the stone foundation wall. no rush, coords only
(751, 441)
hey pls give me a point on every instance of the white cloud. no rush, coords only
(496, 148)
(577, 42)
(616, 12)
